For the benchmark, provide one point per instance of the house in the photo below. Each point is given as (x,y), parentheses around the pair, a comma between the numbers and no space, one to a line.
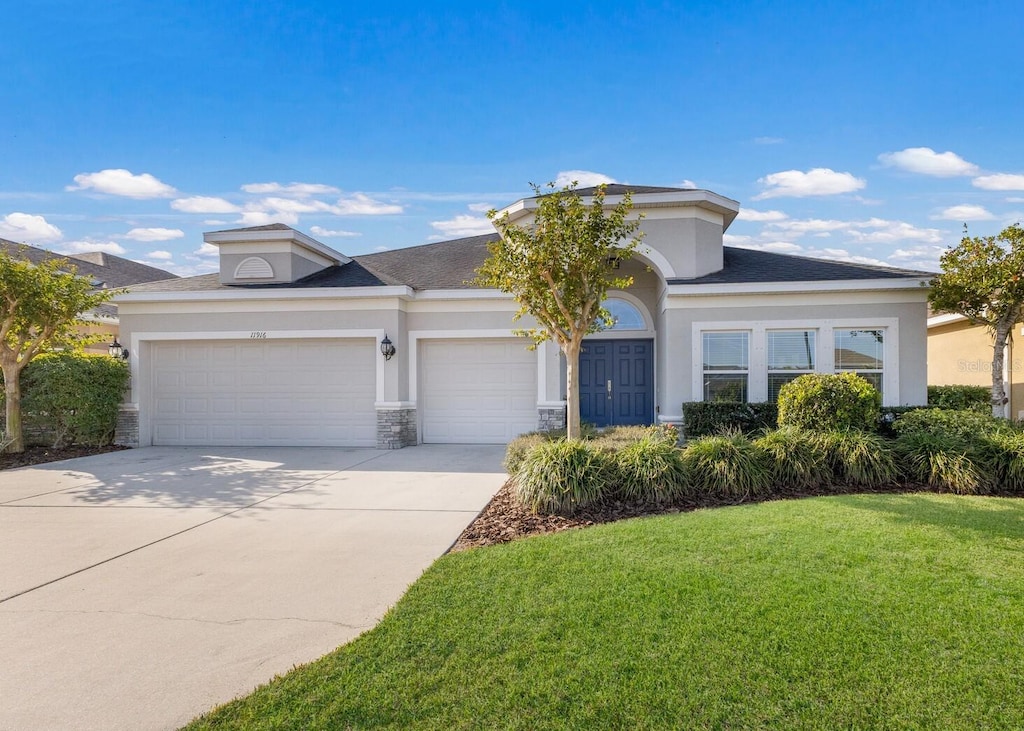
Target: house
(960,353)
(106,272)
(293,343)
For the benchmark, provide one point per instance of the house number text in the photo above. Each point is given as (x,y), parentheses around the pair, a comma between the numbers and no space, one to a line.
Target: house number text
(258,335)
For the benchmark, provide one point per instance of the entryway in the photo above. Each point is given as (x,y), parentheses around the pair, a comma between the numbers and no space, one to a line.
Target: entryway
(617,382)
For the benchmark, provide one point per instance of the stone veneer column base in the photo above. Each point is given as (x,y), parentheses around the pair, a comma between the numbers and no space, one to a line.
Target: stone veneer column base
(551,418)
(126,432)
(396,428)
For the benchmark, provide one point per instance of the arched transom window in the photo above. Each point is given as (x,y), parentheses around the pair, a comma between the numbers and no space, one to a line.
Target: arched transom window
(625,315)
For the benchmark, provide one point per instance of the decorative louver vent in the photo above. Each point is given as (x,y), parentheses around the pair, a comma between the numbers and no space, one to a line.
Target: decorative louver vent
(254,267)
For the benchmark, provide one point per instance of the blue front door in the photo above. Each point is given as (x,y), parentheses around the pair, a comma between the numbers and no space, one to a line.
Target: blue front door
(617,382)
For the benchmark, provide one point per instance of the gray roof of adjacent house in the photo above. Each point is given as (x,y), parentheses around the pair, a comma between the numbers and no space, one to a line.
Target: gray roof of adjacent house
(453,265)
(106,270)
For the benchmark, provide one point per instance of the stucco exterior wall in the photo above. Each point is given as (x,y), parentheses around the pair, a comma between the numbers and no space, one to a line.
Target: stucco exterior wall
(960,353)
(691,242)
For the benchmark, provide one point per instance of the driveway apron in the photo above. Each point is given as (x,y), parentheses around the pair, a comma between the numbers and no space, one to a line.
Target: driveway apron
(139,589)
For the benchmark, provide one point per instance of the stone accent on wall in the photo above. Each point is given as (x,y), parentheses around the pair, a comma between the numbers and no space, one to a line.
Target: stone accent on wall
(396,428)
(551,419)
(126,433)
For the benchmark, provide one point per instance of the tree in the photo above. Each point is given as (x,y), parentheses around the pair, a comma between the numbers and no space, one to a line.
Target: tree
(40,306)
(559,268)
(983,280)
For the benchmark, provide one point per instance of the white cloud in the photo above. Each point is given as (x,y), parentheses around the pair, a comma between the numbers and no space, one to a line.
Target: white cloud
(87,246)
(873,230)
(1015,199)
(328,233)
(585,178)
(798,184)
(28,228)
(359,204)
(160,255)
(207,250)
(124,183)
(464,225)
(735,239)
(964,212)
(480,207)
(155,234)
(301,190)
(203,204)
(288,205)
(262,218)
(810,225)
(775,247)
(215,222)
(924,257)
(749,214)
(926,161)
(999,181)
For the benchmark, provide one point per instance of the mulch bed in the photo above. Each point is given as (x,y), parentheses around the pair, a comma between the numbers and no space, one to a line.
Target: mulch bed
(504,520)
(41,455)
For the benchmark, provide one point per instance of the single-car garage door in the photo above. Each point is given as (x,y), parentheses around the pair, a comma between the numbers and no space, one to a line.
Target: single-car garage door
(477,392)
(264,393)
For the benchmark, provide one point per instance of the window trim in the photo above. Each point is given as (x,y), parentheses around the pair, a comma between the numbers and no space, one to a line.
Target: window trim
(757,382)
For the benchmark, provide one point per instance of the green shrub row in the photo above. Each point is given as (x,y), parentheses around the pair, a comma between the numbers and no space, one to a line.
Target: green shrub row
(703,418)
(72,398)
(960,397)
(964,452)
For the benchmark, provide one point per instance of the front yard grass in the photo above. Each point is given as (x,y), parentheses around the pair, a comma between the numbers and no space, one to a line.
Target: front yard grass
(854,611)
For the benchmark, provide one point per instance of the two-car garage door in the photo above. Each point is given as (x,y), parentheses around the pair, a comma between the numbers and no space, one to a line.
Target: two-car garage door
(265,392)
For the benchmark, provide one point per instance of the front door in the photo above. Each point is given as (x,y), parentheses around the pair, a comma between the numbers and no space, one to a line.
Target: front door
(617,382)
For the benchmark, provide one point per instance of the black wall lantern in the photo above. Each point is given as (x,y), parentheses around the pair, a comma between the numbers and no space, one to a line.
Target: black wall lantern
(116,350)
(387,348)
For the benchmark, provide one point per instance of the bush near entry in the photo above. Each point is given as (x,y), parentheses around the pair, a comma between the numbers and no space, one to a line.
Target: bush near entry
(828,402)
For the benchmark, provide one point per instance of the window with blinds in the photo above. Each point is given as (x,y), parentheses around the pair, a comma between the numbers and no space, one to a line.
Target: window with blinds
(790,354)
(726,365)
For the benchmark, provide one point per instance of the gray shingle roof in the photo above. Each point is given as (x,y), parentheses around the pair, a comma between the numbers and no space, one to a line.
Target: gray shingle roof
(106,270)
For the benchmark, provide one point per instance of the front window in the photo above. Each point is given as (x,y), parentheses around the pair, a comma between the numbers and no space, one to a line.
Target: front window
(862,352)
(726,365)
(791,353)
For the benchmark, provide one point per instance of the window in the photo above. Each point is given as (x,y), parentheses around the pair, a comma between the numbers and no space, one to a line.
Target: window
(791,353)
(863,352)
(625,315)
(726,365)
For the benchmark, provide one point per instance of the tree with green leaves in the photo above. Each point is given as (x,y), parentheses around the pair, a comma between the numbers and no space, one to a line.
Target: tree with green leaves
(559,267)
(983,279)
(40,309)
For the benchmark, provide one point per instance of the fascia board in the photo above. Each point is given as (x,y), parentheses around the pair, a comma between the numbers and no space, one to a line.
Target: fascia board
(936,320)
(401,292)
(865,285)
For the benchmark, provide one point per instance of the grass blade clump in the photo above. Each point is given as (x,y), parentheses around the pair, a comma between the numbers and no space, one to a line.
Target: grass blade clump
(651,470)
(799,460)
(940,461)
(1004,457)
(562,477)
(516,450)
(858,458)
(728,465)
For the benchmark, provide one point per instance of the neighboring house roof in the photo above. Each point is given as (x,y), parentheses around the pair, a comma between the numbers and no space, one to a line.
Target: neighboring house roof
(453,264)
(106,270)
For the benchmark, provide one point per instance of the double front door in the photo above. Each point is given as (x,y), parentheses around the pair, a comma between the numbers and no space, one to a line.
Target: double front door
(617,382)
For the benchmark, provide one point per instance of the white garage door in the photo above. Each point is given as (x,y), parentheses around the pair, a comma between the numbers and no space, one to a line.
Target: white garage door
(477,392)
(265,393)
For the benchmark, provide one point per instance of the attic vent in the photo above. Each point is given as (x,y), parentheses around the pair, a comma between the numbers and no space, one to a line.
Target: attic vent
(254,267)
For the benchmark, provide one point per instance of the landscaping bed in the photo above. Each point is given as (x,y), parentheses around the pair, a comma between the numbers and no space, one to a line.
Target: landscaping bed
(41,455)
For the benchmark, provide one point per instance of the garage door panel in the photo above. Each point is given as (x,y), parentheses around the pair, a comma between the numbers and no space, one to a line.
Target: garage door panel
(482,392)
(264,393)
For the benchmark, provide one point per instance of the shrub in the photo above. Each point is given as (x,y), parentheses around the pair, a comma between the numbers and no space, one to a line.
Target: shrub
(703,418)
(858,458)
(516,450)
(965,426)
(1002,456)
(889,415)
(650,470)
(799,461)
(563,476)
(940,461)
(618,437)
(976,398)
(828,402)
(73,398)
(727,464)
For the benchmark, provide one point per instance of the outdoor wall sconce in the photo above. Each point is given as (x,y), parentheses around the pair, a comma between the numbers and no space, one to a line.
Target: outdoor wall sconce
(387,348)
(116,350)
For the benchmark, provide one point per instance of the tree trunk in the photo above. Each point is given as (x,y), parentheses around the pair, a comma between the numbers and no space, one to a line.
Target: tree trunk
(13,441)
(998,355)
(572,390)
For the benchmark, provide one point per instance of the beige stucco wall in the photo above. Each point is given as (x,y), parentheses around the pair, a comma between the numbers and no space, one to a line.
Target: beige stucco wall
(960,353)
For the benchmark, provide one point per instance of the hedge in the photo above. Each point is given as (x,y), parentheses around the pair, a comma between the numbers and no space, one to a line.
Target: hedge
(978,398)
(704,418)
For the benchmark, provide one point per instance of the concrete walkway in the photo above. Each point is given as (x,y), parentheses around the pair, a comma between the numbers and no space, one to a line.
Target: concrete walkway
(141,588)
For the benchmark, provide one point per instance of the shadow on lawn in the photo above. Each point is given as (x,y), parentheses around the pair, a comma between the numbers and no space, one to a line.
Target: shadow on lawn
(993,516)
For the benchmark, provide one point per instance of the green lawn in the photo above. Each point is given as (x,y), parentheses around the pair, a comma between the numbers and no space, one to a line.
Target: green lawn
(884,611)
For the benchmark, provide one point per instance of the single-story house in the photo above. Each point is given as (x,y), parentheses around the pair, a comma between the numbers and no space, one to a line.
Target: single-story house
(960,354)
(106,271)
(288,343)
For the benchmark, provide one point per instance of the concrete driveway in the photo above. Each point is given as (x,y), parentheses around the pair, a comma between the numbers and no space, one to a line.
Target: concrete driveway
(141,588)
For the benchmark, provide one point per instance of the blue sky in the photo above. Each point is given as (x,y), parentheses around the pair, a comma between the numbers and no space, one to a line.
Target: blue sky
(861,130)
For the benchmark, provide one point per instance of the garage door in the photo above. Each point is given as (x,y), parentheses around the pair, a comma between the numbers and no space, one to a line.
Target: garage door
(265,393)
(479,392)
